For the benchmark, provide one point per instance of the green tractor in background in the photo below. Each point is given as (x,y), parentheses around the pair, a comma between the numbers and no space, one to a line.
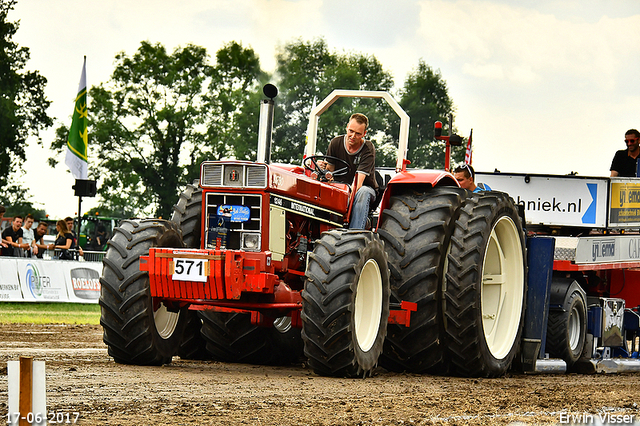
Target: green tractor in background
(95,231)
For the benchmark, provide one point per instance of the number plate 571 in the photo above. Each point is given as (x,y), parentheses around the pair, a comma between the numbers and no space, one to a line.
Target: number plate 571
(190,270)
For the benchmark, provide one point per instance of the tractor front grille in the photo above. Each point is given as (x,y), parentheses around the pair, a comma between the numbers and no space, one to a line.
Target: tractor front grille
(234,230)
(235,175)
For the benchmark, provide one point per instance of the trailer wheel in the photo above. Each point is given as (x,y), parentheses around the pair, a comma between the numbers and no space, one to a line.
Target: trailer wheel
(230,337)
(136,328)
(416,230)
(346,303)
(566,331)
(485,286)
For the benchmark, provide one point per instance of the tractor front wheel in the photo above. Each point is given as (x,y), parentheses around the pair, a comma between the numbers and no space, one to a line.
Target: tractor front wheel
(346,303)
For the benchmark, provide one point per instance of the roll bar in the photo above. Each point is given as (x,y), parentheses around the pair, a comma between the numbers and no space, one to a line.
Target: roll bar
(403,140)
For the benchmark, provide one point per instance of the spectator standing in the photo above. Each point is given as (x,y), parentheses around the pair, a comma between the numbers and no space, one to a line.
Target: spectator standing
(13,238)
(64,241)
(38,238)
(625,161)
(69,221)
(3,243)
(28,236)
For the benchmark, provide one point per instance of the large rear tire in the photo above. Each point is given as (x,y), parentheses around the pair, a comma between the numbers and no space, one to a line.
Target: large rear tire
(230,337)
(346,303)
(485,286)
(416,230)
(192,344)
(566,330)
(136,329)
(187,215)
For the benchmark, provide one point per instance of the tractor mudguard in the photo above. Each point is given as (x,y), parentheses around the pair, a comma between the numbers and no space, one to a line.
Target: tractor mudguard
(561,290)
(411,178)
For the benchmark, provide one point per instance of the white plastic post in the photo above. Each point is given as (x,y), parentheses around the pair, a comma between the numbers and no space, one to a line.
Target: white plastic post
(33,405)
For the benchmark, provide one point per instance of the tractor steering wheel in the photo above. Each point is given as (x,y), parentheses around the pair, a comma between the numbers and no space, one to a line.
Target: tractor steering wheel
(322,173)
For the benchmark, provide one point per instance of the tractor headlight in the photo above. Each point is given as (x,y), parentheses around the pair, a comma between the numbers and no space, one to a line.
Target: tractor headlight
(251,242)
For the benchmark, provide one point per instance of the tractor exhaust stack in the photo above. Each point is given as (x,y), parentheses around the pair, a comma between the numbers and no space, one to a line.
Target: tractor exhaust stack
(265,129)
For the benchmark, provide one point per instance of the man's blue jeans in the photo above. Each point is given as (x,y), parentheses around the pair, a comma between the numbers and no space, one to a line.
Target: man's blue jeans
(360,210)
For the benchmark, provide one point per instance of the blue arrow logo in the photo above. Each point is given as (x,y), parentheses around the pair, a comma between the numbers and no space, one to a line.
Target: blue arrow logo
(590,215)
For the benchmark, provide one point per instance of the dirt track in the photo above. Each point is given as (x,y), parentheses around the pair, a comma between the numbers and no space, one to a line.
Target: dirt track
(82,378)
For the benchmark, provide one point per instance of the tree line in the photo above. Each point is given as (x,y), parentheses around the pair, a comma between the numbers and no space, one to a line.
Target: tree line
(23,113)
(162,113)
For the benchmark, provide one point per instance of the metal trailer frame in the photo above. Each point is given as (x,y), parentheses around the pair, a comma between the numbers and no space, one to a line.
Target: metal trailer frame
(613,252)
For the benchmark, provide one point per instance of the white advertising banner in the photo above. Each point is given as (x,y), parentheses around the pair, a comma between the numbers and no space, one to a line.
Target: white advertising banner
(42,280)
(608,249)
(9,284)
(38,280)
(555,200)
(83,281)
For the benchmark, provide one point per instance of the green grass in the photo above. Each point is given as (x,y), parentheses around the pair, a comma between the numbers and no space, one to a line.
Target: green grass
(49,313)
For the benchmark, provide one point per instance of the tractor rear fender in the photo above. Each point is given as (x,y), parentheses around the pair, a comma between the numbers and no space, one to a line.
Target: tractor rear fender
(417,180)
(561,290)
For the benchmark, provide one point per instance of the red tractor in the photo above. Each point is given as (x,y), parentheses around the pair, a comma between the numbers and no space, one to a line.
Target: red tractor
(255,266)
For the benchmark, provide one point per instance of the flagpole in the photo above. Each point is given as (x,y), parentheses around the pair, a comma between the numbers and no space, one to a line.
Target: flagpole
(84,68)
(78,225)
(468,156)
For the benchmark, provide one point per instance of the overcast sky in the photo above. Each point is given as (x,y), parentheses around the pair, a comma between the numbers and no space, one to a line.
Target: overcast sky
(547,86)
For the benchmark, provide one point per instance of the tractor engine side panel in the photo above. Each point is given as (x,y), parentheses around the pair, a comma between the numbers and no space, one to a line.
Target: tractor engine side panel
(292,182)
